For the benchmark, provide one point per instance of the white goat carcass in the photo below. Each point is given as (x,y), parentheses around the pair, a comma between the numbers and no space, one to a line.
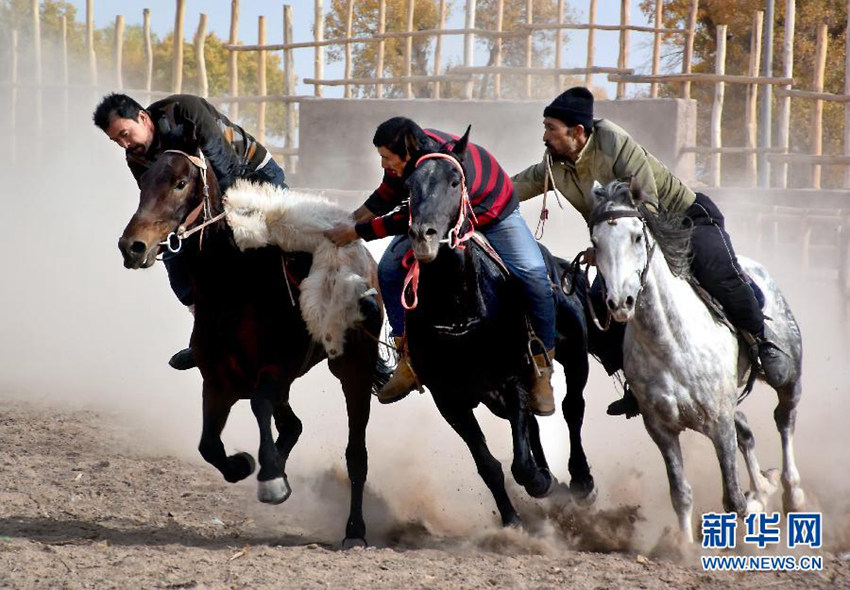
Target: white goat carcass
(261,214)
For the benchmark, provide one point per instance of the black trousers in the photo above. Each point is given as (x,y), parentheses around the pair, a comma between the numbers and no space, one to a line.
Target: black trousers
(716,267)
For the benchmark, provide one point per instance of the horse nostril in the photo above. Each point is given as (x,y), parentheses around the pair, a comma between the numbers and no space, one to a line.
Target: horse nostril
(630,301)
(138,247)
(611,305)
(430,232)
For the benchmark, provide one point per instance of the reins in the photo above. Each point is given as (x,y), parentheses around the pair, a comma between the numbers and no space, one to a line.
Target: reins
(174,240)
(454,239)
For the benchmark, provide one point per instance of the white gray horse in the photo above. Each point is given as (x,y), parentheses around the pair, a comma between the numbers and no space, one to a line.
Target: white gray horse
(684,366)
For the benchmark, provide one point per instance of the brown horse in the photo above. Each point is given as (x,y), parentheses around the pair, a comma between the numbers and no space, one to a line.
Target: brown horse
(249,339)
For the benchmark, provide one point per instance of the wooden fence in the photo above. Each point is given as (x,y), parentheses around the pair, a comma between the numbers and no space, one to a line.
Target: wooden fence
(760,152)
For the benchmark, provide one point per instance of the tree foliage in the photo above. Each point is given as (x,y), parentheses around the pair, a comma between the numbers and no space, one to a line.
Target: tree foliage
(16,15)
(738,16)
(426,16)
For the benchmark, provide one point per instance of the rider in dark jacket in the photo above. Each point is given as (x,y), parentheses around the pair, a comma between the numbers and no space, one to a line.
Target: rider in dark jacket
(187,123)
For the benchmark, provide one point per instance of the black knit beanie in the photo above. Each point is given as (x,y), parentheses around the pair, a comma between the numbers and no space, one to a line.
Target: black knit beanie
(573,107)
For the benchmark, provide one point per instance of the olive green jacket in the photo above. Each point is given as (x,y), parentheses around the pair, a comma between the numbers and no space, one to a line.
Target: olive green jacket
(609,154)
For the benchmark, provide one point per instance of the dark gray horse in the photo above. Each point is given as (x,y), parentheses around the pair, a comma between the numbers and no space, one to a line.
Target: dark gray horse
(468,337)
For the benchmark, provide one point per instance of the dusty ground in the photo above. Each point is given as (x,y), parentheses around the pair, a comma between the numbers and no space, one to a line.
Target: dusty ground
(79,508)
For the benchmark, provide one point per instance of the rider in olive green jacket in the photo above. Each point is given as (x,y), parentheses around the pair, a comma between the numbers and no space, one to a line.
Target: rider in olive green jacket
(581,151)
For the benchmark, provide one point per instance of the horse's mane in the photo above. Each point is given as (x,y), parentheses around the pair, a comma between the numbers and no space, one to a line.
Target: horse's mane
(672,231)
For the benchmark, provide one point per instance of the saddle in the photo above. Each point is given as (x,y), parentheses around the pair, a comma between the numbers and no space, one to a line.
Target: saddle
(717,310)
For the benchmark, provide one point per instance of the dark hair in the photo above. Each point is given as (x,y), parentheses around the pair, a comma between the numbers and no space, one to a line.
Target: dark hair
(391,134)
(119,105)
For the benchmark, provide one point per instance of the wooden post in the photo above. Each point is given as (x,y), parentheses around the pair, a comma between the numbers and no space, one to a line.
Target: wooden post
(781,174)
(689,46)
(65,77)
(200,57)
(529,45)
(766,122)
(847,116)
(146,31)
(382,27)
(717,105)
(261,79)
(656,47)
(318,36)
(289,84)
(408,49)
(233,63)
(500,23)
(119,51)
(625,17)
(438,49)
(13,97)
(177,63)
(591,19)
(559,48)
(349,17)
(469,46)
(90,43)
(817,114)
(37,71)
(752,98)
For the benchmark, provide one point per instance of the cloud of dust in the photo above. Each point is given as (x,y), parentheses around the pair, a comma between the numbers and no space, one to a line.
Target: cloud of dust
(79,329)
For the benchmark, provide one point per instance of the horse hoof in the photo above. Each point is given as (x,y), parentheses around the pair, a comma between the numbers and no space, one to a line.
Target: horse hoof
(546,483)
(273,491)
(513,521)
(584,494)
(753,503)
(354,542)
(241,466)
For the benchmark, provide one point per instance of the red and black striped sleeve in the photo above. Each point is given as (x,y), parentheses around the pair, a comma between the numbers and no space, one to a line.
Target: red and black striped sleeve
(389,204)
(491,191)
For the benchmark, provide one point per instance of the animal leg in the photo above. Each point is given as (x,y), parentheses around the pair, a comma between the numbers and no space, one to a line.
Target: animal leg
(724,438)
(680,489)
(537,481)
(572,354)
(289,429)
(464,423)
(785,416)
(762,484)
(216,409)
(272,484)
(360,352)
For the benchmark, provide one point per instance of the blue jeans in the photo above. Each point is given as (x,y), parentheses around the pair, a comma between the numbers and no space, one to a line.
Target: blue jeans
(514,242)
(178,275)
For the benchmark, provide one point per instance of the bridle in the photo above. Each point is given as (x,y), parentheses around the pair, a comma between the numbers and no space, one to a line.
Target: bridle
(611,217)
(174,240)
(454,239)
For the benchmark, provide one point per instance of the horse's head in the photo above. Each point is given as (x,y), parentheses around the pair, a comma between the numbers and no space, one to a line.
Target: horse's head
(619,236)
(438,205)
(171,190)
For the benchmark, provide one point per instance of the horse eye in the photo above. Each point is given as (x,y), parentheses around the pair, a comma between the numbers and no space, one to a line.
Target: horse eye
(455,183)
(181,185)
(638,238)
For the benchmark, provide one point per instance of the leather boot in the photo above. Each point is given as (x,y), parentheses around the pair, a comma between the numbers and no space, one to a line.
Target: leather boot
(403,379)
(627,404)
(183,360)
(542,395)
(775,363)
